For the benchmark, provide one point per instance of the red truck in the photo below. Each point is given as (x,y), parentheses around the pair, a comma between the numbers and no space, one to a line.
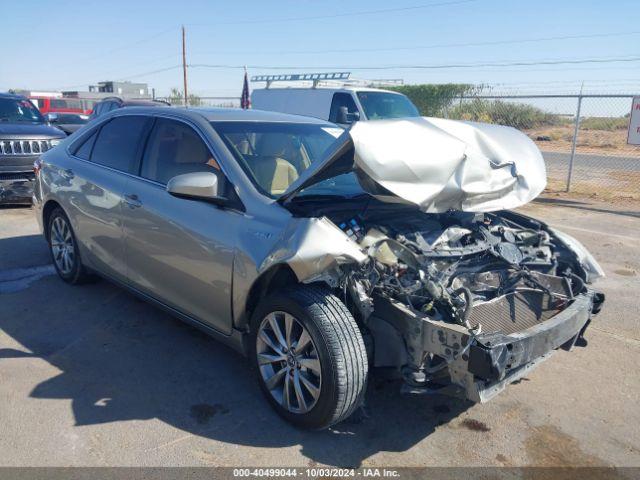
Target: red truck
(62,105)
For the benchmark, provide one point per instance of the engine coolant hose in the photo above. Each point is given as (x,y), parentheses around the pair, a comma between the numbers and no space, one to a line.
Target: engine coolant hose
(468,299)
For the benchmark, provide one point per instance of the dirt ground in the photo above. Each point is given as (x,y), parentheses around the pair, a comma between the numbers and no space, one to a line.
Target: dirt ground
(603,142)
(92,376)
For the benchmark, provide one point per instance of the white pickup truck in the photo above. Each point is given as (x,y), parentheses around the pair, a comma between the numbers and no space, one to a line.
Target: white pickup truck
(343,105)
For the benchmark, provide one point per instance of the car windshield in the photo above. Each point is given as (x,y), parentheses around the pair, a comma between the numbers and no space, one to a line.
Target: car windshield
(274,154)
(379,105)
(19,110)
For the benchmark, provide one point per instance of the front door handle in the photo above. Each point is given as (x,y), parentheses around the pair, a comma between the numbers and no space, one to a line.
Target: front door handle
(132,200)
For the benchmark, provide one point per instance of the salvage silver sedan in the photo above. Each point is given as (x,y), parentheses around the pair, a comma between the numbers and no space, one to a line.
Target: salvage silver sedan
(321,253)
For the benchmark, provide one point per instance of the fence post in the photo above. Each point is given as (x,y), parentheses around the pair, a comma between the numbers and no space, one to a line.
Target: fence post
(575,141)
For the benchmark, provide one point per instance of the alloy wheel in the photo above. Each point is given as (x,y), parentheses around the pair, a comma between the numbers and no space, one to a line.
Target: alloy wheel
(288,362)
(62,245)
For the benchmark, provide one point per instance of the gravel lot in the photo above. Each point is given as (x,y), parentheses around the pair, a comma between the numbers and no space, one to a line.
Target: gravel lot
(92,376)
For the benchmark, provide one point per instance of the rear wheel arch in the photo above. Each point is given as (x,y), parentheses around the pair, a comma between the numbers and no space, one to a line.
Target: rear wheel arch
(65,252)
(47,210)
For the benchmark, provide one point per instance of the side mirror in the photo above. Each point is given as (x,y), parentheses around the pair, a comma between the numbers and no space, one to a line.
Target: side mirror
(345,117)
(200,185)
(51,117)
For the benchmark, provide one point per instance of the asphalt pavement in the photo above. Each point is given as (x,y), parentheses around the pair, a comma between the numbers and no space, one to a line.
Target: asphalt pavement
(92,376)
(560,161)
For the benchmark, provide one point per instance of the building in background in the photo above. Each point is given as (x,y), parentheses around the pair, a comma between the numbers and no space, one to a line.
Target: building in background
(122,89)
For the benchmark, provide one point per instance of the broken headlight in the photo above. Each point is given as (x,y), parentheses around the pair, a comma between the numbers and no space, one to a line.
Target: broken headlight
(592,269)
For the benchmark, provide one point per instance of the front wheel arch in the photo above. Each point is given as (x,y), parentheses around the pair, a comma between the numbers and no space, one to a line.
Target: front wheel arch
(277,277)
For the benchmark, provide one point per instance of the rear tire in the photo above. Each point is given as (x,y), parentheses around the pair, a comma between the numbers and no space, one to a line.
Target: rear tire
(327,375)
(63,247)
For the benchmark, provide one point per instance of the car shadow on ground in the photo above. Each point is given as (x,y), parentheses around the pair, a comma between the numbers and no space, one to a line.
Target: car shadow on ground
(121,359)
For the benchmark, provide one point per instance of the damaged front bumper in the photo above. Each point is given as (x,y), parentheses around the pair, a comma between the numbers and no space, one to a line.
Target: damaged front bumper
(16,188)
(480,366)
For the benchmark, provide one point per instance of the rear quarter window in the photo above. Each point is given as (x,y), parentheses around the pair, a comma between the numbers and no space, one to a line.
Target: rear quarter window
(84,150)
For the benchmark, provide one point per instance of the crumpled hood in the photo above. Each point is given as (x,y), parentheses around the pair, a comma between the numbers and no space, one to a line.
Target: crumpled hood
(441,164)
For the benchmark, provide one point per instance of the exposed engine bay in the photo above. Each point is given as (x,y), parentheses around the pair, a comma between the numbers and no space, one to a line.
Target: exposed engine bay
(447,297)
(463,268)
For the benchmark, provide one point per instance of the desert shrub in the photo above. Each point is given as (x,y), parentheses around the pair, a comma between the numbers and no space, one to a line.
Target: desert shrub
(518,115)
(605,123)
(433,100)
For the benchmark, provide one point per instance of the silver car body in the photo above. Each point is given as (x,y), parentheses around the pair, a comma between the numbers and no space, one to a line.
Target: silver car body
(210,265)
(169,249)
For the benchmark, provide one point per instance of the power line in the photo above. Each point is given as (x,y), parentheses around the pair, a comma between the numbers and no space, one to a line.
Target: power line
(336,15)
(383,67)
(426,47)
(129,77)
(426,67)
(130,44)
(160,70)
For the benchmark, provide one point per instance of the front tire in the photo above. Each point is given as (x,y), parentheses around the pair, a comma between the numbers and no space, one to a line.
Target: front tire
(309,355)
(63,247)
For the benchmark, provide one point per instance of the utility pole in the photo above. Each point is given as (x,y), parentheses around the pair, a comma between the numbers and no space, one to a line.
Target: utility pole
(184,66)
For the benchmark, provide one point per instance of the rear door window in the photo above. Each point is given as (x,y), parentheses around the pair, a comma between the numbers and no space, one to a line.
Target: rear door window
(98,109)
(118,142)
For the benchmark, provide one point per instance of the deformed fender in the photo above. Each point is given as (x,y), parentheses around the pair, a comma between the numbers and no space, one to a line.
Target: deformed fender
(311,247)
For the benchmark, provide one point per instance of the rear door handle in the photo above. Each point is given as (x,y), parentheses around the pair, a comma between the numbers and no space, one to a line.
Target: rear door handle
(132,200)
(68,174)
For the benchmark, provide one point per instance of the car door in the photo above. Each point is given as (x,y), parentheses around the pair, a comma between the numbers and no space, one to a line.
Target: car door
(179,251)
(95,187)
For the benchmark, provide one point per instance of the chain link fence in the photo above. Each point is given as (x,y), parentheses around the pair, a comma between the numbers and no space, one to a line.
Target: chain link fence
(583,138)
(198,101)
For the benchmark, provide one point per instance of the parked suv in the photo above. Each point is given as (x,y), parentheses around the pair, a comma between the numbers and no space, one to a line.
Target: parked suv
(322,253)
(112,103)
(343,105)
(24,135)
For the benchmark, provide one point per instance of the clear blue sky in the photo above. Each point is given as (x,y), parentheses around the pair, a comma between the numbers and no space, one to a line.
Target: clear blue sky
(67,43)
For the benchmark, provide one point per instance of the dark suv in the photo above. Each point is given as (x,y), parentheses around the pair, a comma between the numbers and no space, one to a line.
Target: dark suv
(112,103)
(24,135)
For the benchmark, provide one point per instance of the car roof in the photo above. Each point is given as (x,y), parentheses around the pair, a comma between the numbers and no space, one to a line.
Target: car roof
(134,101)
(142,103)
(225,114)
(13,96)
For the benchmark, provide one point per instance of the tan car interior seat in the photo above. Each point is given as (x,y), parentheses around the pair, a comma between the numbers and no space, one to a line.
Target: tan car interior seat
(273,172)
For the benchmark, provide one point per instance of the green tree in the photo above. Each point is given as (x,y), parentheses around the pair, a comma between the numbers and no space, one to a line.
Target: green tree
(434,100)
(513,114)
(176,97)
